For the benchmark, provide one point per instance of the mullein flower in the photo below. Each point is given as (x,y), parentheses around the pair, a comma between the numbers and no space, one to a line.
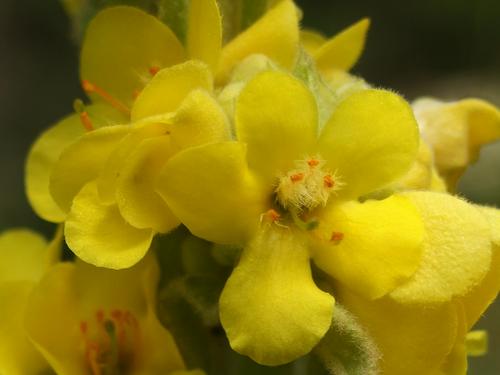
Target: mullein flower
(25,256)
(456,131)
(93,321)
(105,181)
(269,190)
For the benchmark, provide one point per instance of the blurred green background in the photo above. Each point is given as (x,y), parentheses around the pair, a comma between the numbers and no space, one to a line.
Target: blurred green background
(444,48)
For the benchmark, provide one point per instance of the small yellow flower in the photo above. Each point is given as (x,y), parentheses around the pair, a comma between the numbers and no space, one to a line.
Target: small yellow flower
(88,320)
(24,258)
(456,131)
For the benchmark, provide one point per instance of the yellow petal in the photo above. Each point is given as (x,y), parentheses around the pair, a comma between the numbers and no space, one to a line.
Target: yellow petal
(18,355)
(41,159)
(210,189)
(381,245)
(275,35)
(111,169)
(276,116)
(52,320)
(169,88)
(413,340)
(420,174)
(343,50)
(371,139)
(82,161)
(456,250)
(22,255)
(270,307)
(99,235)
(204,35)
(137,200)
(311,40)
(457,131)
(480,297)
(121,45)
(199,120)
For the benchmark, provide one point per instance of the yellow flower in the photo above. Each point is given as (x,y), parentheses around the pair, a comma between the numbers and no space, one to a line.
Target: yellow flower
(25,256)
(124,48)
(105,180)
(281,178)
(456,131)
(89,320)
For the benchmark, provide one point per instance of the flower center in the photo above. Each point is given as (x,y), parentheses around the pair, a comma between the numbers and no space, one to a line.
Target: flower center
(307,186)
(111,342)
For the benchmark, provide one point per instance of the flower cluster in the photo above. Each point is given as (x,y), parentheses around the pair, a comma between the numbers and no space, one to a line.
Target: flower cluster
(321,207)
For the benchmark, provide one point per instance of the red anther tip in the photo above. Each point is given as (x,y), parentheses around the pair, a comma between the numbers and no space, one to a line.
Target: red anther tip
(153,70)
(313,162)
(87,86)
(329,183)
(296,177)
(337,236)
(272,215)
(83,327)
(85,119)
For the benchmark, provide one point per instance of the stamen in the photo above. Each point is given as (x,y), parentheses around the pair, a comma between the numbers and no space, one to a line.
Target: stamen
(304,225)
(83,327)
(91,88)
(271,215)
(99,315)
(297,177)
(79,108)
(337,237)
(313,162)
(153,70)
(329,182)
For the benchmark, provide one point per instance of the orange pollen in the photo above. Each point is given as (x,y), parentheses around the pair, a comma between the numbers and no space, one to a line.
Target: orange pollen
(83,327)
(337,237)
(272,215)
(86,121)
(313,163)
(89,88)
(153,70)
(297,177)
(100,316)
(328,180)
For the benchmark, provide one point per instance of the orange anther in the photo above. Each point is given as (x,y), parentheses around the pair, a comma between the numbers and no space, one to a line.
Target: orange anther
(296,177)
(99,315)
(153,70)
(337,237)
(83,327)
(328,180)
(89,87)
(313,162)
(272,215)
(117,315)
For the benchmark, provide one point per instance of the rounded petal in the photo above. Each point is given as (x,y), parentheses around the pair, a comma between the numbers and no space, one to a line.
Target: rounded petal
(412,340)
(275,34)
(138,202)
(210,189)
(41,159)
(371,139)
(270,307)
(18,355)
(204,34)
(277,117)
(99,235)
(380,246)
(169,88)
(456,250)
(343,50)
(82,161)
(122,44)
(22,255)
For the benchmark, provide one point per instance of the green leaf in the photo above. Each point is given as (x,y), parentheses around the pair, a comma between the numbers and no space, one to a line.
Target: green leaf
(346,349)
